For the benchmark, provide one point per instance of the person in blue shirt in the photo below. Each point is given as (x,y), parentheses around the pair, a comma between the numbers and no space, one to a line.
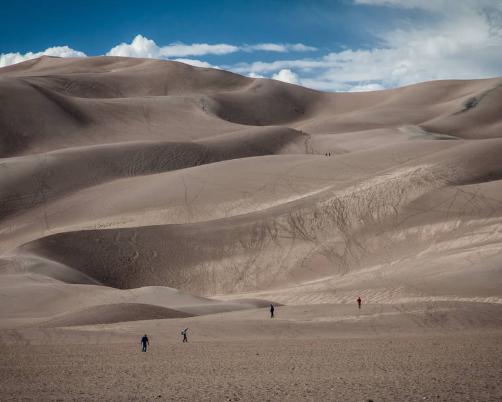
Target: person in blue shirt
(144,343)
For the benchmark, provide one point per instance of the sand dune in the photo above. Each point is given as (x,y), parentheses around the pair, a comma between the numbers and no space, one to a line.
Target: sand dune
(109,100)
(30,181)
(110,313)
(146,196)
(121,176)
(265,244)
(59,295)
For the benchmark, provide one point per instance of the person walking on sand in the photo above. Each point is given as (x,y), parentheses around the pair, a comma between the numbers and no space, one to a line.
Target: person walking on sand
(272,311)
(359,301)
(184,334)
(144,343)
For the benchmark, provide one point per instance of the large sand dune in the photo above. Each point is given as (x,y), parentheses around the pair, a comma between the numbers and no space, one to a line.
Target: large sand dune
(130,173)
(149,196)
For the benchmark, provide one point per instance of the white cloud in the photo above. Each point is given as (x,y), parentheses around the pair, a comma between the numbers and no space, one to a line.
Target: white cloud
(254,75)
(366,87)
(196,49)
(300,47)
(427,4)
(286,75)
(278,47)
(264,67)
(144,47)
(197,63)
(58,51)
(462,41)
(442,6)
(139,47)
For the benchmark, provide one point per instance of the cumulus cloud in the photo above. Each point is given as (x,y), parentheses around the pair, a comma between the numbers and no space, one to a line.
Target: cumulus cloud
(197,63)
(139,47)
(286,75)
(144,47)
(57,51)
(462,41)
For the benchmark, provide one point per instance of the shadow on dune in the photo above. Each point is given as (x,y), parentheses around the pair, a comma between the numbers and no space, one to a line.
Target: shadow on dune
(111,313)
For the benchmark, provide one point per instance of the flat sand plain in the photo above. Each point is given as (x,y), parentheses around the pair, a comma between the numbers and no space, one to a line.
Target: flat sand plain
(441,352)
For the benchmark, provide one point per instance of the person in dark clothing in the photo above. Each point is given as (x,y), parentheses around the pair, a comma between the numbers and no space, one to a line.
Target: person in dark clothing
(359,301)
(272,311)
(144,343)
(184,334)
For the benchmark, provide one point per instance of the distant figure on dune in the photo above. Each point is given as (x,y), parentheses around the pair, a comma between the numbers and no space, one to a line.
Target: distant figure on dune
(359,301)
(144,343)
(184,334)
(272,311)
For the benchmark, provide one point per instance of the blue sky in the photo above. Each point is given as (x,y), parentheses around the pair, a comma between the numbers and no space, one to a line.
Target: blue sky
(345,45)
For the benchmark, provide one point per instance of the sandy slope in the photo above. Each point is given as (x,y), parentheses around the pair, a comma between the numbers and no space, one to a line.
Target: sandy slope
(120,176)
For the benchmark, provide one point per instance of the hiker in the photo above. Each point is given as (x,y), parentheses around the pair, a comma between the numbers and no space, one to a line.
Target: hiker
(144,343)
(184,334)
(359,301)
(272,311)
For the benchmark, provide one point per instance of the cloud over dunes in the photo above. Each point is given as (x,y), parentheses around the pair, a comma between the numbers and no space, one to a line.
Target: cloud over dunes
(196,63)
(453,39)
(58,51)
(279,47)
(460,40)
(144,47)
(286,75)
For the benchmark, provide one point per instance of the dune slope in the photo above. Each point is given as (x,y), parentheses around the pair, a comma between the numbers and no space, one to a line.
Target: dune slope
(135,174)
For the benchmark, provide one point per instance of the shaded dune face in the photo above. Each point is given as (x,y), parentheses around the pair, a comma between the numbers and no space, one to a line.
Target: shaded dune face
(128,173)
(273,247)
(111,313)
(65,171)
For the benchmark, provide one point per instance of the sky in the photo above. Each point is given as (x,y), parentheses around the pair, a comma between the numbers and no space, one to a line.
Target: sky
(345,45)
